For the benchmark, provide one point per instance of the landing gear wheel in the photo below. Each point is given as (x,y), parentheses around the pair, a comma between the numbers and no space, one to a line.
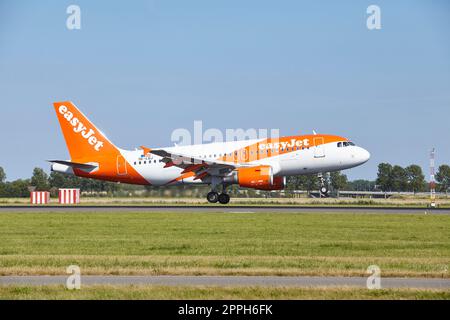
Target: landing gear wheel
(224,198)
(212,197)
(324,191)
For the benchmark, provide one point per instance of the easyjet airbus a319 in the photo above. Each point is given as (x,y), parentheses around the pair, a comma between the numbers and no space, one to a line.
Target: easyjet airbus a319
(261,164)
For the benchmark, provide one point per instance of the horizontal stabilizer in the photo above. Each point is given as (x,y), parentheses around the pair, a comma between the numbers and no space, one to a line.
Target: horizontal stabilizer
(75,165)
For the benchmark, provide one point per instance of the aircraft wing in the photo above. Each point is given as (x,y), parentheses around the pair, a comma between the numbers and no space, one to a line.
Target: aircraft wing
(200,167)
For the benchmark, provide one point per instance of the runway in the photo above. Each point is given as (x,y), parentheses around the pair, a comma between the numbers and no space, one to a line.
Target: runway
(228,209)
(223,281)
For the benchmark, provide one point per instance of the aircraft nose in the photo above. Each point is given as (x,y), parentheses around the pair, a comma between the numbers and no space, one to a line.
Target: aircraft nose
(364,155)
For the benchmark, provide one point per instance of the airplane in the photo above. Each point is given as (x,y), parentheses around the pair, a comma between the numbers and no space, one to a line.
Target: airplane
(261,164)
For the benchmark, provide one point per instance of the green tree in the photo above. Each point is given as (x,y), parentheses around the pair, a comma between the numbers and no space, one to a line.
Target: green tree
(399,179)
(443,178)
(39,180)
(361,185)
(308,182)
(17,188)
(304,182)
(61,180)
(338,180)
(57,180)
(384,176)
(415,177)
(2,175)
(293,183)
(2,182)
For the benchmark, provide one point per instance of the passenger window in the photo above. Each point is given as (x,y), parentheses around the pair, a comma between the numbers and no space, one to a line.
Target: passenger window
(339,144)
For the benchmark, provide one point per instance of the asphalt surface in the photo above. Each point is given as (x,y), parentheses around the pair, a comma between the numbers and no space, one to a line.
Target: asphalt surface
(271,281)
(230,209)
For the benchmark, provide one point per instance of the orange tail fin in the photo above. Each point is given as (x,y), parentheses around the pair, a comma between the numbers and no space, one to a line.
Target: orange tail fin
(84,141)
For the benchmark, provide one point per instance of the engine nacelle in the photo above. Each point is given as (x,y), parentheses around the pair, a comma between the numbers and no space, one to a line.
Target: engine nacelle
(259,177)
(278,184)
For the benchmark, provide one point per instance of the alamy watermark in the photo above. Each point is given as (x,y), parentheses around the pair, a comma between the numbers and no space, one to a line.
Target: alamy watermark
(74,280)
(198,136)
(73,21)
(374,280)
(184,137)
(373,21)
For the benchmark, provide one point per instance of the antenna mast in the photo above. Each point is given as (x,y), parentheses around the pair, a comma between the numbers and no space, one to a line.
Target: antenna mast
(432,181)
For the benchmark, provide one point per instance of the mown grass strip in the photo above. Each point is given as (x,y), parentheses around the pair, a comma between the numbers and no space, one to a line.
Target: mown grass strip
(224,243)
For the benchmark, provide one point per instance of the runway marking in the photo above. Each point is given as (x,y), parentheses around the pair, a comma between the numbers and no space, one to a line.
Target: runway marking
(271,281)
(240,211)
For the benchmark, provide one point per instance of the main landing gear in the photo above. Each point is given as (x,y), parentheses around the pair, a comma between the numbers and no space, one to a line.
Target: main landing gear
(214,197)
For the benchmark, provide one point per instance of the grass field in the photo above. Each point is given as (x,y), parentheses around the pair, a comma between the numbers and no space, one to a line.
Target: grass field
(139,243)
(224,243)
(200,293)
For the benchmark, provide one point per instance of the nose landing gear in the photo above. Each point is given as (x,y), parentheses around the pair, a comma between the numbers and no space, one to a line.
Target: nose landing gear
(323,190)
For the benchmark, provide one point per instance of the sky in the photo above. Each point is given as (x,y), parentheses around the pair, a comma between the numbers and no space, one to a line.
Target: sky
(141,69)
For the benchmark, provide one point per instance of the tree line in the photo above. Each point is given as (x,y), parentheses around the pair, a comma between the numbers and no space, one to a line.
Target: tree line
(411,178)
(41,181)
(389,178)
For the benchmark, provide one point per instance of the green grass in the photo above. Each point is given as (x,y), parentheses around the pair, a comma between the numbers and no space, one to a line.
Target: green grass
(224,243)
(199,293)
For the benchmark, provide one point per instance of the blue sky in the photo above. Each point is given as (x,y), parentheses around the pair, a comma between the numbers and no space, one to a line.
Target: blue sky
(141,69)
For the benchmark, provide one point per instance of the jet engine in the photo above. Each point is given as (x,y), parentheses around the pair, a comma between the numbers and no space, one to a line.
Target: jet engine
(259,177)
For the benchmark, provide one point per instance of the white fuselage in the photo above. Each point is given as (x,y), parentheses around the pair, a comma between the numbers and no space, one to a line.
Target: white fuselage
(314,159)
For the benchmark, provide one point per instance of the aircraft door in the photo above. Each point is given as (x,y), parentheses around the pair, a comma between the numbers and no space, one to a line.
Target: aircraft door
(121,166)
(319,151)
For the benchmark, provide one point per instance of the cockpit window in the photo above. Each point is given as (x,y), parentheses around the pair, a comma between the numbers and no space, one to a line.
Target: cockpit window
(345,144)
